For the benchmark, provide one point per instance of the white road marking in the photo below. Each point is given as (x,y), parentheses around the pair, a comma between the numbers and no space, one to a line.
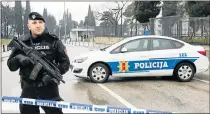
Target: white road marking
(201,80)
(120,99)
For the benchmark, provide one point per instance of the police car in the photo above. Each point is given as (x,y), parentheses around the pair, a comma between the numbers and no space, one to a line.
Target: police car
(142,56)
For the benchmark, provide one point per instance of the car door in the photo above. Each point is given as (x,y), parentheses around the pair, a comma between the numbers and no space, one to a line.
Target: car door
(162,56)
(131,57)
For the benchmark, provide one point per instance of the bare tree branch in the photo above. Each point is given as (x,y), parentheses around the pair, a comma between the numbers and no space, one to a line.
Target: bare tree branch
(120,9)
(97,14)
(116,14)
(109,9)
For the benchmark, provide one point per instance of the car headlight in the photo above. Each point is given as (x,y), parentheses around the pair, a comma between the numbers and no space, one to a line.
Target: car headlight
(80,60)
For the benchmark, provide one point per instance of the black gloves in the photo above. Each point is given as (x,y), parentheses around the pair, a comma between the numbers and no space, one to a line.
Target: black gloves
(23,60)
(47,79)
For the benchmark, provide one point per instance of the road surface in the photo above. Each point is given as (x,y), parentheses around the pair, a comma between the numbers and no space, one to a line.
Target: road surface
(164,94)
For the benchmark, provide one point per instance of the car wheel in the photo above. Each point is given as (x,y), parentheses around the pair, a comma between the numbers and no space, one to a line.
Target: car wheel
(184,72)
(99,73)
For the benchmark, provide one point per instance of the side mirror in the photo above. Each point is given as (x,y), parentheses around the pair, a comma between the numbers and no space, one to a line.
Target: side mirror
(124,50)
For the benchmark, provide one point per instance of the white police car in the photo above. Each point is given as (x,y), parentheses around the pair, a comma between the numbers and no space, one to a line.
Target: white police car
(142,56)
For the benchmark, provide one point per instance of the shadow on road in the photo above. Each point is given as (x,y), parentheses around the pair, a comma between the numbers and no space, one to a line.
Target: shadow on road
(134,79)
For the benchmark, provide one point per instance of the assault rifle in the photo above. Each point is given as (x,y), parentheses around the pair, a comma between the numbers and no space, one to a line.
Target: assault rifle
(38,60)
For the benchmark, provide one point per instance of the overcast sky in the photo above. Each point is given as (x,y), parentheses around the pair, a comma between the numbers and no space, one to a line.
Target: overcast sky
(78,9)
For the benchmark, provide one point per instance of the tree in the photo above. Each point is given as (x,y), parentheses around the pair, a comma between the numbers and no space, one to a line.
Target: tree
(129,21)
(18,18)
(169,8)
(69,23)
(45,16)
(173,8)
(171,12)
(51,24)
(89,19)
(113,15)
(67,20)
(81,24)
(108,16)
(75,24)
(7,20)
(57,31)
(45,13)
(127,27)
(27,12)
(50,21)
(107,28)
(144,10)
(129,10)
(198,9)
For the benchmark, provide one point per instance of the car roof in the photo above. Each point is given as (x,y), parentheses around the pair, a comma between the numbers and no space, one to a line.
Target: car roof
(150,36)
(153,36)
(127,39)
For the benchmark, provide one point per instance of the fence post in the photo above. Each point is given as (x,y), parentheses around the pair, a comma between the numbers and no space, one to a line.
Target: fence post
(3,48)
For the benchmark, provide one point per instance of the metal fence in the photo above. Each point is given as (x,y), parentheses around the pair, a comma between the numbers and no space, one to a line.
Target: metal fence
(194,30)
(120,30)
(180,27)
(172,26)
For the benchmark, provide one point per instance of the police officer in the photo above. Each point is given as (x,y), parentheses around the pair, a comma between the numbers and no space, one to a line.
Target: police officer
(43,87)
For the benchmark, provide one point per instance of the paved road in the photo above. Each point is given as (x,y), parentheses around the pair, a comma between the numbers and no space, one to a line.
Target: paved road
(163,94)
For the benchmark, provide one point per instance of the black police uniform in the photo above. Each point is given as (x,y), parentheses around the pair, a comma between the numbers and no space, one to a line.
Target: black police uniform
(43,87)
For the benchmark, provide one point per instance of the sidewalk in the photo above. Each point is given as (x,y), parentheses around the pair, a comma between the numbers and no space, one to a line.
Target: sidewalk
(206,47)
(5,54)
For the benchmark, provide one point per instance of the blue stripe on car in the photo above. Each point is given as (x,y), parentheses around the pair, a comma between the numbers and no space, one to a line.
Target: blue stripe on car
(148,65)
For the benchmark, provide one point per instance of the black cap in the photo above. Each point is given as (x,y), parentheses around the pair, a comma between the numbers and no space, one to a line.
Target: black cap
(35,16)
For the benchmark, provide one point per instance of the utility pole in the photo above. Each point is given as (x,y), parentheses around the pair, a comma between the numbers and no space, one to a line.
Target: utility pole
(64,21)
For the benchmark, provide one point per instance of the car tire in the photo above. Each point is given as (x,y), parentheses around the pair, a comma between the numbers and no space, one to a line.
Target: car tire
(99,73)
(184,72)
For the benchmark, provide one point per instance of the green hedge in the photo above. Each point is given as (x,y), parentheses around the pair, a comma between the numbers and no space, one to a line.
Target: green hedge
(201,41)
(5,41)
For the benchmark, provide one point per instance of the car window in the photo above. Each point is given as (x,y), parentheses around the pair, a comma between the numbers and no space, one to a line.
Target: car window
(132,45)
(155,44)
(177,44)
(160,44)
(143,46)
(137,45)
